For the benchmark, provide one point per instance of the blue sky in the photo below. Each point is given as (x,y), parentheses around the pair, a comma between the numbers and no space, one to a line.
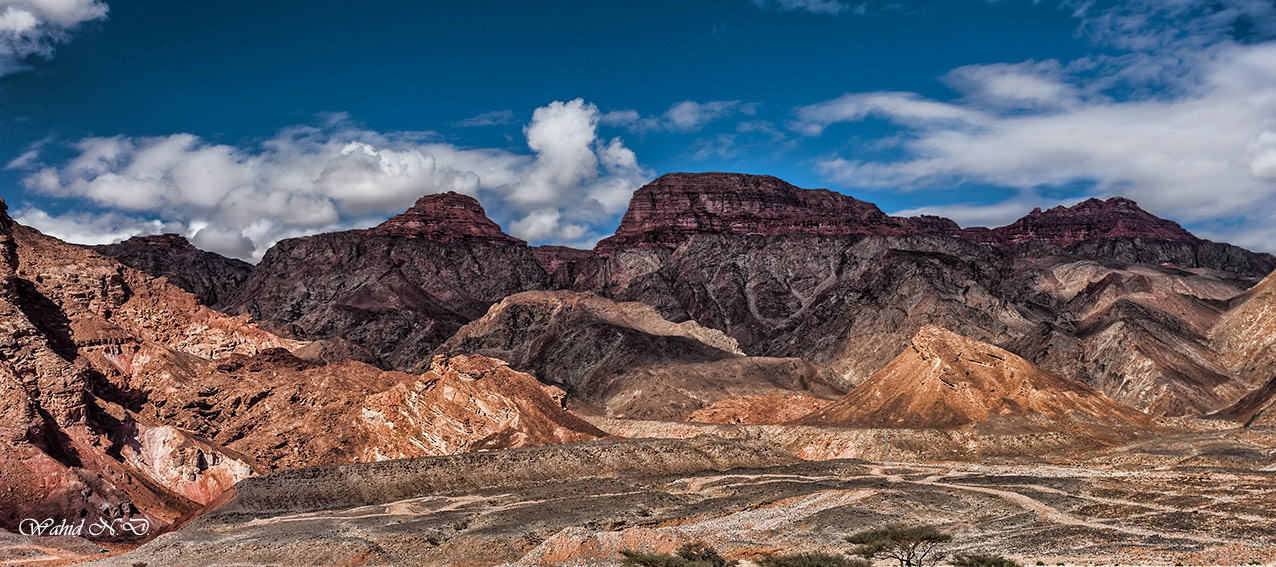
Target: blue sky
(240,123)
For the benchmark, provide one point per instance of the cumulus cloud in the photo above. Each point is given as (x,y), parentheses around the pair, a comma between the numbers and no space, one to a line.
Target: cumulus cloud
(685,116)
(93,228)
(31,28)
(241,200)
(1198,146)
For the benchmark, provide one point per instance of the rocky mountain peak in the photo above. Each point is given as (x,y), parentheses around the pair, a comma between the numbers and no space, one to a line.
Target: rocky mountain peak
(676,206)
(445,217)
(1116,217)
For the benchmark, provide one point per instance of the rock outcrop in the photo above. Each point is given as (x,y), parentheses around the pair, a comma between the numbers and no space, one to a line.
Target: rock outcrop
(213,278)
(944,380)
(624,359)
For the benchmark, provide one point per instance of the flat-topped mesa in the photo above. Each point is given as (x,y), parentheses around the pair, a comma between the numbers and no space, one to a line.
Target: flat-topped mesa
(445,217)
(1117,217)
(676,206)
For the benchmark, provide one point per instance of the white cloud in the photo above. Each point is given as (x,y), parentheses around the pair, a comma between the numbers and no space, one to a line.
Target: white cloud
(1190,133)
(241,200)
(92,228)
(907,108)
(815,6)
(685,116)
(1027,85)
(31,28)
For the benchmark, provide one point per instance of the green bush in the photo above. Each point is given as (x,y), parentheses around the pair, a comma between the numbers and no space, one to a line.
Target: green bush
(912,545)
(811,560)
(694,554)
(982,560)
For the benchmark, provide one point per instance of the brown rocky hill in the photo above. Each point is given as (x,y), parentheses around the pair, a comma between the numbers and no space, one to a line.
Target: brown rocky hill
(1136,332)
(1246,334)
(395,291)
(283,412)
(213,278)
(82,334)
(1246,337)
(944,381)
(625,360)
(124,397)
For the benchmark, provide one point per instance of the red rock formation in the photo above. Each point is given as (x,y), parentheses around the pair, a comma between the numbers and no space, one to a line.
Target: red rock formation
(445,217)
(669,210)
(944,380)
(1117,217)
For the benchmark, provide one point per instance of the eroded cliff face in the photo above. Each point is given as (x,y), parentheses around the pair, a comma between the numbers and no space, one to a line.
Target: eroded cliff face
(1101,292)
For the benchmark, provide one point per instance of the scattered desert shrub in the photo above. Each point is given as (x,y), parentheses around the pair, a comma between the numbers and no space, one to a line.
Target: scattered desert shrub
(982,560)
(694,554)
(912,545)
(811,560)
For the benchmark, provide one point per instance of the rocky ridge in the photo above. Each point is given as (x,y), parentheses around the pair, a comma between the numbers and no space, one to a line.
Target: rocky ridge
(624,359)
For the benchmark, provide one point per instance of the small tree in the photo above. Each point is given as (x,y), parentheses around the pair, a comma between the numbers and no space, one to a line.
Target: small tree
(694,554)
(982,560)
(911,545)
(811,560)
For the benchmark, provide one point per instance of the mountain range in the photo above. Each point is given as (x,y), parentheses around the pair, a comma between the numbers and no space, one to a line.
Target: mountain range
(144,378)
